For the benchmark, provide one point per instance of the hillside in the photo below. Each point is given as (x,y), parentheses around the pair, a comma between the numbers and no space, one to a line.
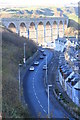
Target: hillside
(73,28)
(35,12)
(12,55)
(70,11)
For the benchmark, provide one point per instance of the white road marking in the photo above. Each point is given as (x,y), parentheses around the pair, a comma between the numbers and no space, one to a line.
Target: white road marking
(36,97)
(34,89)
(44,111)
(41,106)
(33,86)
(35,73)
(38,101)
(53,69)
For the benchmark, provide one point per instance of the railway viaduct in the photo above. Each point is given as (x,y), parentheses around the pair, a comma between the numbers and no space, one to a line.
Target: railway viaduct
(43,28)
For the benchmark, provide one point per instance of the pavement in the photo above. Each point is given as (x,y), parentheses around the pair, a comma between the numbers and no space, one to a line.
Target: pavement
(35,94)
(53,78)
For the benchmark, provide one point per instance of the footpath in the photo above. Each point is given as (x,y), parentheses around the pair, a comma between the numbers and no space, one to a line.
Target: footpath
(57,90)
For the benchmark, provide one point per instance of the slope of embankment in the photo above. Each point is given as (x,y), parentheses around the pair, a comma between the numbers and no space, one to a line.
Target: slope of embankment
(12,55)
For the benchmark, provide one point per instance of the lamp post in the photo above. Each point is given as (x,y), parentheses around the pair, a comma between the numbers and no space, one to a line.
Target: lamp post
(36,34)
(24,59)
(28,34)
(19,81)
(48,101)
(46,70)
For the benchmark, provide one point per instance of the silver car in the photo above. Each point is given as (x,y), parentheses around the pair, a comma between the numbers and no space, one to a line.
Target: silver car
(31,68)
(44,67)
(36,63)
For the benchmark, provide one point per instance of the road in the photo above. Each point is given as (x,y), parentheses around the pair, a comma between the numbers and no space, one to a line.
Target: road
(35,95)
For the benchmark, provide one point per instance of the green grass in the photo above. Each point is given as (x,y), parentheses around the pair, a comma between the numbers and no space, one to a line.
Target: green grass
(74,17)
(12,55)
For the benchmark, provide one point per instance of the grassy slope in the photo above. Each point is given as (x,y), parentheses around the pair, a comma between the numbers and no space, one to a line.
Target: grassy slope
(0,72)
(12,54)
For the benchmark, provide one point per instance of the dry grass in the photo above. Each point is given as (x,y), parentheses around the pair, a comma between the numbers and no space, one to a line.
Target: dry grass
(12,54)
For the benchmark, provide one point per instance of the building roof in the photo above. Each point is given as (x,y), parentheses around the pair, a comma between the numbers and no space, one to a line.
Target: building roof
(74,79)
(77,86)
(61,40)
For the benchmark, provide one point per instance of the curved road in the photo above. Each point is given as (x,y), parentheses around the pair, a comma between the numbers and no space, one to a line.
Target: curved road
(35,95)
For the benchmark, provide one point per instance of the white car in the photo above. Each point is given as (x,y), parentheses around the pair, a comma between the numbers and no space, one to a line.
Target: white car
(31,68)
(44,67)
(42,50)
(36,63)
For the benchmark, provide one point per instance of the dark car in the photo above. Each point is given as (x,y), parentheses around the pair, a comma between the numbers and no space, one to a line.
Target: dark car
(41,57)
(44,54)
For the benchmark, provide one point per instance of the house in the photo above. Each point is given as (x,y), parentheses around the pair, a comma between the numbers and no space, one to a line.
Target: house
(69,71)
(60,44)
(73,41)
(69,77)
(73,88)
(76,96)
(64,72)
(69,81)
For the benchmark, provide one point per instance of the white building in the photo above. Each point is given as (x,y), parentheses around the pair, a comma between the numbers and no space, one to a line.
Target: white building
(76,95)
(60,44)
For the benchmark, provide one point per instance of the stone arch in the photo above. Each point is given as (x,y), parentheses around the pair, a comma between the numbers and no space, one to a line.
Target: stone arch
(32,24)
(32,31)
(65,24)
(61,28)
(23,29)
(48,31)
(40,23)
(48,23)
(12,27)
(40,32)
(55,30)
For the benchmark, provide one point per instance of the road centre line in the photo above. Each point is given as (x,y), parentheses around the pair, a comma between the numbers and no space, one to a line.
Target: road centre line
(41,106)
(34,89)
(38,101)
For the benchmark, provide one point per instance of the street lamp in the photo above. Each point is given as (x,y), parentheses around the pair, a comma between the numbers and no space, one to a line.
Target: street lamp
(46,69)
(19,80)
(24,59)
(28,34)
(48,101)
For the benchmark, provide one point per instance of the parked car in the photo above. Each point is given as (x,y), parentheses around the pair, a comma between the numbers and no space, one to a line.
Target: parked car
(31,68)
(36,63)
